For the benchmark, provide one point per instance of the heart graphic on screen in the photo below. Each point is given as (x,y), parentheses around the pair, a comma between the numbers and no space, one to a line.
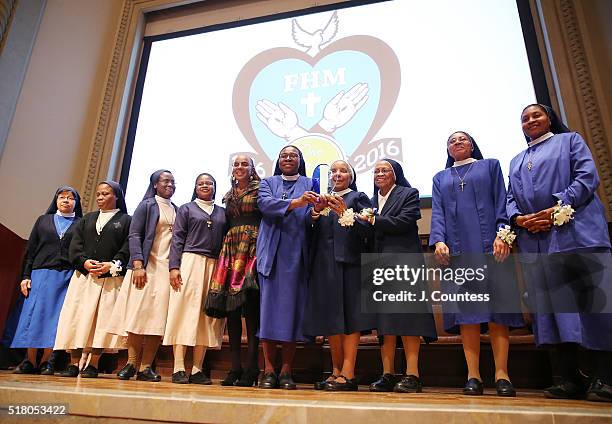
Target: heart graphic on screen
(291,81)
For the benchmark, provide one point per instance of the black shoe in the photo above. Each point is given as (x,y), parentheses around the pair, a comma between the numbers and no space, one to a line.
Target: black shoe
(269,381)
(26,367)
(148,375)
(249,378)
(474,387)
(566,389)
(409,384)
(180,377)
(89,372)
(599,391)
(320,385)
(47,368)
(199,378)
(232,377)
(127,372)
(349,385)
(285,381)
(505,388)
(70,371)
(385,383)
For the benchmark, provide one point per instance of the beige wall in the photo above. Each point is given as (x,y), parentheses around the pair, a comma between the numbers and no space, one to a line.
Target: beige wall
(598,17)
(598,14)
(55,117)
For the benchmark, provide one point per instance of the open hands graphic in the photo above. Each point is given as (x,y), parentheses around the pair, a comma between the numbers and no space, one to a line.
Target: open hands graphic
(343,107)
(283,122)
(280,119)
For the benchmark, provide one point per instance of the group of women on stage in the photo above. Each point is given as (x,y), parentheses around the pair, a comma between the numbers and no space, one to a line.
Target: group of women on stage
(280,256)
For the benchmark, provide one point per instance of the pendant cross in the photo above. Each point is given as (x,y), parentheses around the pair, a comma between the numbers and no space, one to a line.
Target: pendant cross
(462,185)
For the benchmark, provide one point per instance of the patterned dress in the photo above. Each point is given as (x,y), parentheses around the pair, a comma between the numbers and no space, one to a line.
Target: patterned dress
(236,271)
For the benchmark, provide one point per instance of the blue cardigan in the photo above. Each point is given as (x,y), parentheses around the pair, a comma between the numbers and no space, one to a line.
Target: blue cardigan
(195,231)
(274,209)
(142,230)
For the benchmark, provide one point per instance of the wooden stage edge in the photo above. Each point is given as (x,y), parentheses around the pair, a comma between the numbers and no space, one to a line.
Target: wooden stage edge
(108,400)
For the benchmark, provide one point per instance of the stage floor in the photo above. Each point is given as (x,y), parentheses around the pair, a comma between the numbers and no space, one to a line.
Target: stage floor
(108,400)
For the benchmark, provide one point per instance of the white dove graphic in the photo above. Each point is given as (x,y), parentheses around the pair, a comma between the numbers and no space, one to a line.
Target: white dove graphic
(313,41)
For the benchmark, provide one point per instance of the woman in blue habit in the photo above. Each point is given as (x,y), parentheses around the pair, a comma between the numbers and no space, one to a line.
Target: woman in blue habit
(565,249)
(282,262)
(468,209)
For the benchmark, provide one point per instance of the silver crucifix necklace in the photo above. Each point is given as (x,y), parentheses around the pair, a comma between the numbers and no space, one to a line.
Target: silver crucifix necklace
(529,161)
(463,183)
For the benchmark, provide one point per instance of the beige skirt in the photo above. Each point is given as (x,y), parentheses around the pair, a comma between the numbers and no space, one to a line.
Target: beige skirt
(86,311)
(143,311)
(187,323)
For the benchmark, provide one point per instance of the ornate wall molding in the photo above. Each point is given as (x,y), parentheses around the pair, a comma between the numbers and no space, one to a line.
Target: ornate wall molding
(106,150)
(570,51)
(596,133)
(7,10)
(113,89)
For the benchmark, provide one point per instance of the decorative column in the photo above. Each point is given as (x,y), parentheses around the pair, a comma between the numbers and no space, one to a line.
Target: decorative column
(567,38)
(7,10)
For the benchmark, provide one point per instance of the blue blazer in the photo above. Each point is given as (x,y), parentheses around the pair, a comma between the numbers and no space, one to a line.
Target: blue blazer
(142,230)
(348,242)
(395,227)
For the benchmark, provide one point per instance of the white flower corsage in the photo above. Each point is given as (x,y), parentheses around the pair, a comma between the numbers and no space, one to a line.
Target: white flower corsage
(506,235)
(562,214)
(348,218)
(368,212)
(115,268)
(325,211)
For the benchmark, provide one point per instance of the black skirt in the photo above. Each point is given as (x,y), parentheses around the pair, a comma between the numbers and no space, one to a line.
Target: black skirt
(333,305)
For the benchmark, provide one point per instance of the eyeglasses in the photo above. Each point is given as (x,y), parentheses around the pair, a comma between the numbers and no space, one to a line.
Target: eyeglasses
(286,156)
(460,139)
(383,171)
(69,198)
